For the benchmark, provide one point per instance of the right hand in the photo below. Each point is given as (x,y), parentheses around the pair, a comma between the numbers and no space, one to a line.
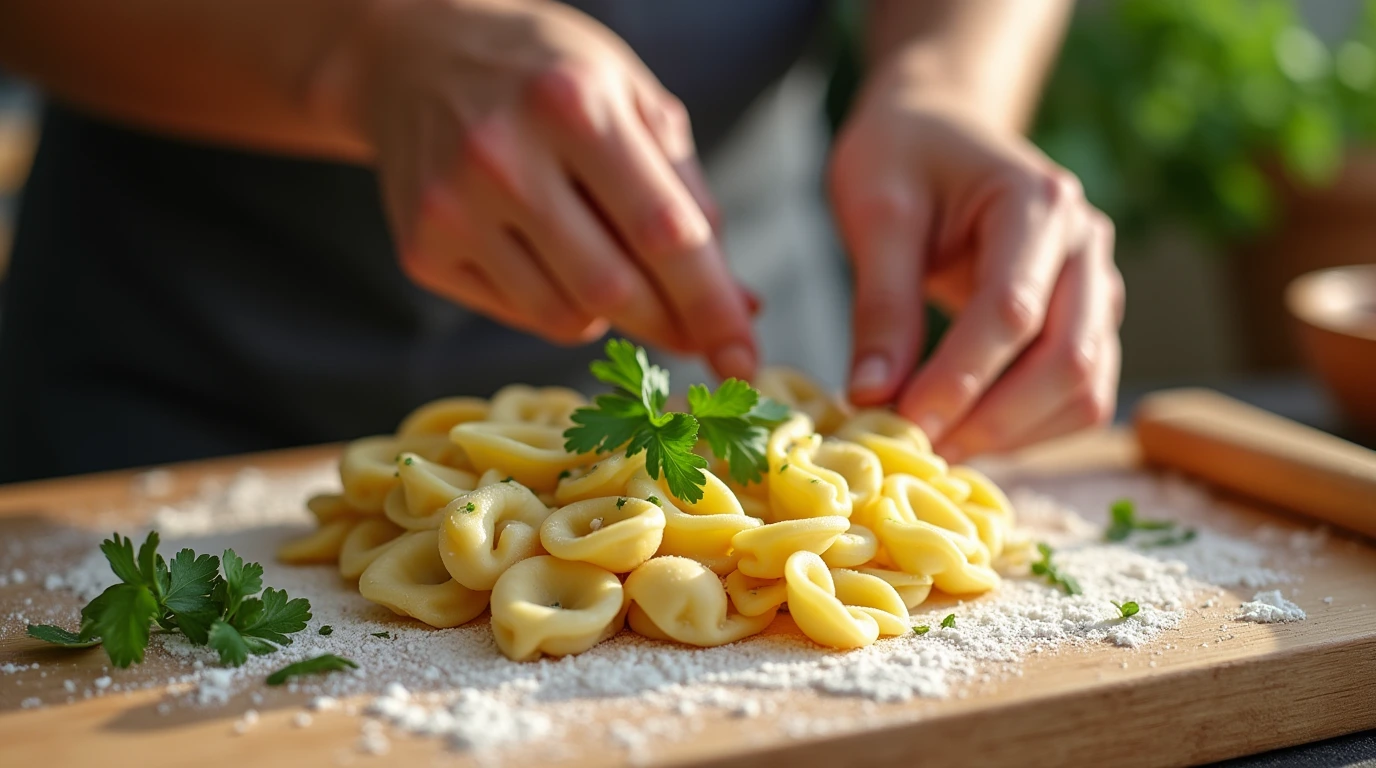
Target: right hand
(535,171)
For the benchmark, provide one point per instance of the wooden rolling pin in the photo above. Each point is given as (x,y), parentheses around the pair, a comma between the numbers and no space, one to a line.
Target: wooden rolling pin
(1259,454)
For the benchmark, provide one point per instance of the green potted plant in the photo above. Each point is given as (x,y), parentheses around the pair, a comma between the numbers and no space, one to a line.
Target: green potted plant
(1233,119)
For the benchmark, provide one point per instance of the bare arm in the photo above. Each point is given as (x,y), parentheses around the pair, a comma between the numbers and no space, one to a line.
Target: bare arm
(246,72)
(992,53)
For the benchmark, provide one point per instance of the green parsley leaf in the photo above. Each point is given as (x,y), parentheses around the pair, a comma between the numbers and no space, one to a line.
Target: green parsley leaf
(1127,609)
(921,629)
(271,617)
(327,630)
(227,642)
(326,662)
(383,635)
(723,422)
(241,580)
(669,449)
(121,617)
(653,500)
(949,621)
(733,421)
(470,507)
(611,423)
(119,551)
(564,475)
(768,413)
(1124,522)
(1054,577)
(188,597)
(59,636)
(621,502)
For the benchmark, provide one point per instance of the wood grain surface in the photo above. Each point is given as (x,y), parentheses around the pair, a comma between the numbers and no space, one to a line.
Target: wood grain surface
(1267,686)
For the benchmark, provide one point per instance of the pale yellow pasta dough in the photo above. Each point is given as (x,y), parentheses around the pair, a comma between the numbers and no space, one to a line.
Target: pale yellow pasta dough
(489,530)
(912,587)
(901,446)
(752,596)
(681,599)
(364,543)
(815,601)
(608,477)
(532,454)
(545,605)
(615,533)
(703,536)
(764,550)
(874,596)
(426,489)
(546,406)
(862,470)
(917,500)
(439,416)
(368,468)
(327,507)
(951,487)
(801,393)
(799,487)
(409,578)
(319,547)
(949,558)
(857,546)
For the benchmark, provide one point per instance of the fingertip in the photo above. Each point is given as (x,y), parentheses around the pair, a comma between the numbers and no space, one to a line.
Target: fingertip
(734,360)
(872,380)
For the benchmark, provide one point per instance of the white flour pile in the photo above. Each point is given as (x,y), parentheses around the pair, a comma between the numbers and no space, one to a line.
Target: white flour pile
(453,684)
(1270,608)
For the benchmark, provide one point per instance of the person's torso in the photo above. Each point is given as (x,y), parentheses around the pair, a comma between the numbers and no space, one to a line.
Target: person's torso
(169,299)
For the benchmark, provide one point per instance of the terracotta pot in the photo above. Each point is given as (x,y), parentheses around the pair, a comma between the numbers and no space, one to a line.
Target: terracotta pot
(1335,310)
(1318,228)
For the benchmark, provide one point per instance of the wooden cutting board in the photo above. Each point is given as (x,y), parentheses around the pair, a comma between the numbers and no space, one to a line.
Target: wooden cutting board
(1269,686)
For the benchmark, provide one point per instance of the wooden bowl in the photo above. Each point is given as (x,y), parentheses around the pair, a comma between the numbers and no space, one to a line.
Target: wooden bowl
(1336,311)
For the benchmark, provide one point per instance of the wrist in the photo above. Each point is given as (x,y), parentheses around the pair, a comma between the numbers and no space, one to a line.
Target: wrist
(925,75)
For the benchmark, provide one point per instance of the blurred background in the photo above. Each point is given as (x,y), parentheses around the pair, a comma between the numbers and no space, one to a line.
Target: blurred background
(1233,142)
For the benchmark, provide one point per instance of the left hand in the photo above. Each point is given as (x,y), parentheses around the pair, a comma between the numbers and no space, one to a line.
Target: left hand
(935,203)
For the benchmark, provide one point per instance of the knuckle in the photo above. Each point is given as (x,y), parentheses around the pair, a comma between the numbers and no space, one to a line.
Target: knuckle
(1079,361)
(606,291)
(487,149)
(1019,311)
(1094,409)
(666,230)
(566,92)
(880,204)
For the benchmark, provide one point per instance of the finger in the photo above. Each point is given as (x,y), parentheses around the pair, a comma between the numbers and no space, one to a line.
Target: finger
(885,232)
(1094,407)
(1060,366)
(592,267)
(666,118)
(1022,246)
(665,230)
(490,275)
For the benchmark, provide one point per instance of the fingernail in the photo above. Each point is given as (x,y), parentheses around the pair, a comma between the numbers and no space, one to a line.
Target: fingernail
(870,374)
(734,360)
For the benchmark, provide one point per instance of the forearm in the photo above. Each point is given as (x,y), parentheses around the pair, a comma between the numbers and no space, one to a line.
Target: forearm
(246,72)
(991,55)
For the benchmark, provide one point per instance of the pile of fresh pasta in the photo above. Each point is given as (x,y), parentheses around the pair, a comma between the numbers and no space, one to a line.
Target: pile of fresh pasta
(475,505)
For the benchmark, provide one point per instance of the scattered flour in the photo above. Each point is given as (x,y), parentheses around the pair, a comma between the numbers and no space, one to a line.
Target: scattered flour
(1270,608)
(454,685)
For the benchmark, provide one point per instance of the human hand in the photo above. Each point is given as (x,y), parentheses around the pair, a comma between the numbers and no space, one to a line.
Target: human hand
(933,202)
(534,170)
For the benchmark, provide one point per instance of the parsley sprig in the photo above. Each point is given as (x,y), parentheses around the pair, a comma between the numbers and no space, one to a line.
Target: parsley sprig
(189,595)
(325,662)
(1124,522)
(1044,567)
(734,421)
(1127,609)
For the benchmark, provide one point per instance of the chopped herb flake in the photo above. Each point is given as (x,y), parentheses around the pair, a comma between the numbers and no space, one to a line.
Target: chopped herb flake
(949,621)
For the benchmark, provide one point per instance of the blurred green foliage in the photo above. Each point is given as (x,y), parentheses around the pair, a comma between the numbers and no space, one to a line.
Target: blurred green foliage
(1173,110)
